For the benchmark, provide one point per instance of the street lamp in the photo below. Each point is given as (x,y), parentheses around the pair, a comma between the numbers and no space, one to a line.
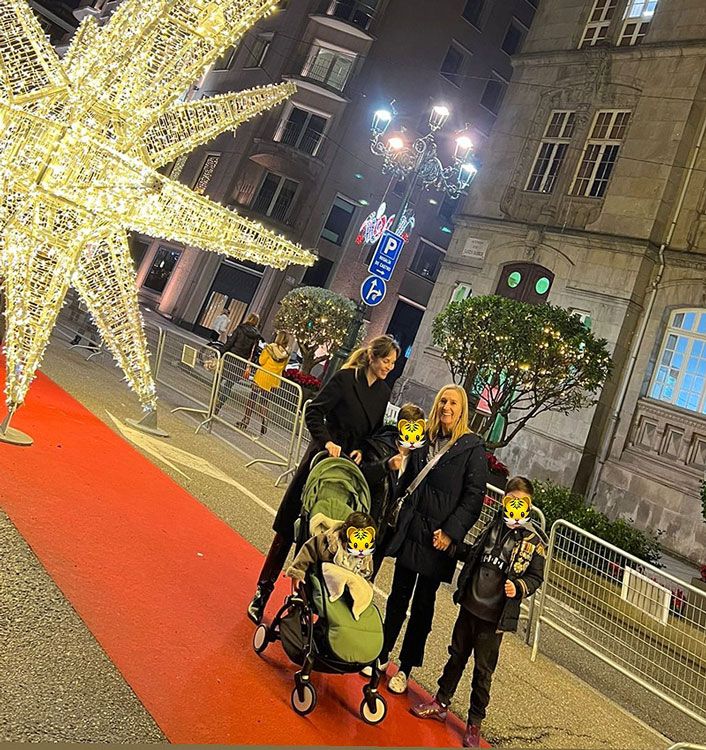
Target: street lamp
(417,163)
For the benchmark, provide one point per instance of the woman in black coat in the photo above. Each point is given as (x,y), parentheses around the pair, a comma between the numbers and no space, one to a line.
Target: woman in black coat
(438,513)
(347,410)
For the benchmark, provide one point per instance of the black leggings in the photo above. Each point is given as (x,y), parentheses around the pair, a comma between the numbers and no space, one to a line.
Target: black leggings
(404,583)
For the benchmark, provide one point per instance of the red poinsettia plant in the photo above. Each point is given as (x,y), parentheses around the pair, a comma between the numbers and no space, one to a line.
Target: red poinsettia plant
(304,380)
(496,466)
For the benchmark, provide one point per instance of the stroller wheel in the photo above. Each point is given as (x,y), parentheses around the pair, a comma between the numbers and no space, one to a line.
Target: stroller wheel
(305,703)
(373,715)
(260,639)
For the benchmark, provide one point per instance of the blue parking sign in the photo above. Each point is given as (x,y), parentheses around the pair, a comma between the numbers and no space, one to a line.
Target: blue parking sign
(373,290)
(386,255)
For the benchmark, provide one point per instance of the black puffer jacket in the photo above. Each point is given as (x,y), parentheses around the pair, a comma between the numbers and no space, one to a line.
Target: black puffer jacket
(377,450)
(450,498)
(243,341)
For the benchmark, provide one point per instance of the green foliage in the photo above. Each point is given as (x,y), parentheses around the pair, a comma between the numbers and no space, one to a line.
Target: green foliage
(527,359)
(558,502)
(315,317)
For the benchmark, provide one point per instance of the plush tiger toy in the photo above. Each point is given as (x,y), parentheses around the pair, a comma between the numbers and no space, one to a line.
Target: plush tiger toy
(411,433)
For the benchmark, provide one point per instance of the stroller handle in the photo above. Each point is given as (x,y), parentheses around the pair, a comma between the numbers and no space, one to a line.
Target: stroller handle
(321,455)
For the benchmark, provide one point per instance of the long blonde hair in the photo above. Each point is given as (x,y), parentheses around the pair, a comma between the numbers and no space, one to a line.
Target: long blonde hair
(379,347)
(434,422)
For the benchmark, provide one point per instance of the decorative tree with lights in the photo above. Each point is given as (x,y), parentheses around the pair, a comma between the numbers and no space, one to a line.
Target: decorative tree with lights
(316,318)
(81,143)
(521,360)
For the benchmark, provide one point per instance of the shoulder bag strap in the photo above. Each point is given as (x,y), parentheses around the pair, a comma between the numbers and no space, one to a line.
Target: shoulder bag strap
(427,468)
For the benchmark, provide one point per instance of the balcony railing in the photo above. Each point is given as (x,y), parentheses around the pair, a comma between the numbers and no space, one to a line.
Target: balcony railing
(328,67)
(354,12)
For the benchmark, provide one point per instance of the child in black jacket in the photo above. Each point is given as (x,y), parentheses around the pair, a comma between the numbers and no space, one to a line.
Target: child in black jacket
(503,566)
(384,460)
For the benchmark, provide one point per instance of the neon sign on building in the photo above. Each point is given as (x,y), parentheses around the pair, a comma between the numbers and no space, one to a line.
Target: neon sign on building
(377,222)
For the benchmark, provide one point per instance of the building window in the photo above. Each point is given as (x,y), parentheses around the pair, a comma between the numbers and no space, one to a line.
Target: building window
(452,65)
(226,60)
(472,11)
(427,260)
(596,29)
(357,13)
(638,16)
(161,269)
(302,130)
(680,374)
(275,197)
(207,169)
(493,93)
(329,66)
(526,282)
(257,51)
(338,221)
(513,37)
(318,274)
(551,152)
(448,207)
(600,154)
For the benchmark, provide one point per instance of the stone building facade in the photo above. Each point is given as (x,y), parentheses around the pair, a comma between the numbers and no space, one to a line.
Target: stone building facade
(306,169)
(594,183)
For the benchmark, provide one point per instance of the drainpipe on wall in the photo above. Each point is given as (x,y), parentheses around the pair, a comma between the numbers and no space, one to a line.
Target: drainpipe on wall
(614,422)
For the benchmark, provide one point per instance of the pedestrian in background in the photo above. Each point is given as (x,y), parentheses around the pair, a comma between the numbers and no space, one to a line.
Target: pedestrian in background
(242,343)
(504,566)
(273,360)
(348,409)
(220,327)
(443,489)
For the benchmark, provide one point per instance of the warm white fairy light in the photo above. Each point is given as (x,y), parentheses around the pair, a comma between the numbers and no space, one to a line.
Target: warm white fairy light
(80,142)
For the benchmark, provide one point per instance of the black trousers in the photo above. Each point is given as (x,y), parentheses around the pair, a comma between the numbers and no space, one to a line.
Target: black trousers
(478,637)
(404,583)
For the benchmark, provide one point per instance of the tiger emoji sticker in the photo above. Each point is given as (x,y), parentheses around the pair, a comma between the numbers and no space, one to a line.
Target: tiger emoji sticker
(361,541)
(411,433)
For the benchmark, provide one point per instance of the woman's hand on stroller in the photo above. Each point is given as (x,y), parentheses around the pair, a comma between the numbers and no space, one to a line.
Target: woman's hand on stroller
(356,457)
(333,450)
(441,540)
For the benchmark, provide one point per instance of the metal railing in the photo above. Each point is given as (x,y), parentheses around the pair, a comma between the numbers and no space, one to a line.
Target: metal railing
(75,324)
(245,392)
(357,13)
(640,620)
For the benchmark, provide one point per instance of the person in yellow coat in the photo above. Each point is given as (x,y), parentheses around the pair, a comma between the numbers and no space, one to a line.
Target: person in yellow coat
(273,360)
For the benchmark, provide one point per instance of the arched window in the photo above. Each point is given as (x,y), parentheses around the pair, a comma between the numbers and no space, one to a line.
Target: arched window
(526,282)
(680,373)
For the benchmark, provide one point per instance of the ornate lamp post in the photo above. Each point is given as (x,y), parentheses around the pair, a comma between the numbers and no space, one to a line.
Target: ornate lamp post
(417,163)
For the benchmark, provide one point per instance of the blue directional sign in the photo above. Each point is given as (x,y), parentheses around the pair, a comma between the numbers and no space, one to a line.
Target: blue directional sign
(386,255)
(373,290)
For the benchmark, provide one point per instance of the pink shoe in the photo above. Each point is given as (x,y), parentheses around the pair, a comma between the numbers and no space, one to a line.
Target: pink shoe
(431,710)
(472,736)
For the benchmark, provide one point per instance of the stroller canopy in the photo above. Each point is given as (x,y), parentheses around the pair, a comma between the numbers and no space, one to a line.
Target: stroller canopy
(336,487)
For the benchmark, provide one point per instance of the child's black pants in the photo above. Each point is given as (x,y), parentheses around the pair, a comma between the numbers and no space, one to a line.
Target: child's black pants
(478,637)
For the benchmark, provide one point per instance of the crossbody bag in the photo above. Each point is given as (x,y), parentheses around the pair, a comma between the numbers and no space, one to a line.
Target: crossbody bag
(395,514)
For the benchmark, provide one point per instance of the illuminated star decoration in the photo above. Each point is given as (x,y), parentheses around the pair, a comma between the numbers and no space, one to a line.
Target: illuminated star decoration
(81,140)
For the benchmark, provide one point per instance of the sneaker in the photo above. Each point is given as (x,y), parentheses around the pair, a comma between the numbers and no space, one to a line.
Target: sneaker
(398,683)
(368,671)
(431,710)
(472,736)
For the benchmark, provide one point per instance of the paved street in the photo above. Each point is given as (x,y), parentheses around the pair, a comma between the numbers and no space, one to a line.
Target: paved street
(57,683)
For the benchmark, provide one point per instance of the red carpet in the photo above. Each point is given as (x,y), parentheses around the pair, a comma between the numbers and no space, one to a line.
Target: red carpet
(163,585)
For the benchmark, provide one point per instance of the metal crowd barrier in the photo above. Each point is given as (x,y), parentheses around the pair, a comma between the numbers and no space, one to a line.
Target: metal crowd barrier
(267,413)
(640,620)
(301,444)
(188,368)
(75,322)
(686,746)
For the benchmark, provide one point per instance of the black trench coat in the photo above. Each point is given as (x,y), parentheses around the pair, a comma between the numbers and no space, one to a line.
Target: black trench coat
(347,411)
(450,498)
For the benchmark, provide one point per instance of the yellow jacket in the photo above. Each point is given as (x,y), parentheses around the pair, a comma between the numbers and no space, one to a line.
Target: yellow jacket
(272,360)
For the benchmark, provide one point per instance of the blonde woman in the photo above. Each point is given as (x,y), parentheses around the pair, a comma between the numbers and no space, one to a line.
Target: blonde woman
(347,410)
(438,512)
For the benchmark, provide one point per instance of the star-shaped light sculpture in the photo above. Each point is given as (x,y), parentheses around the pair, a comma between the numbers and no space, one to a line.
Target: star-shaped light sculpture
(81,140)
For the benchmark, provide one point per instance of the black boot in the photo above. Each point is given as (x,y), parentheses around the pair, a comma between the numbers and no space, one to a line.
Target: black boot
(256,608)
(74,341)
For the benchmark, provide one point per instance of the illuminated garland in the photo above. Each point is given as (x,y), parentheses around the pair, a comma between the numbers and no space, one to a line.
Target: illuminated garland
(80,142)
